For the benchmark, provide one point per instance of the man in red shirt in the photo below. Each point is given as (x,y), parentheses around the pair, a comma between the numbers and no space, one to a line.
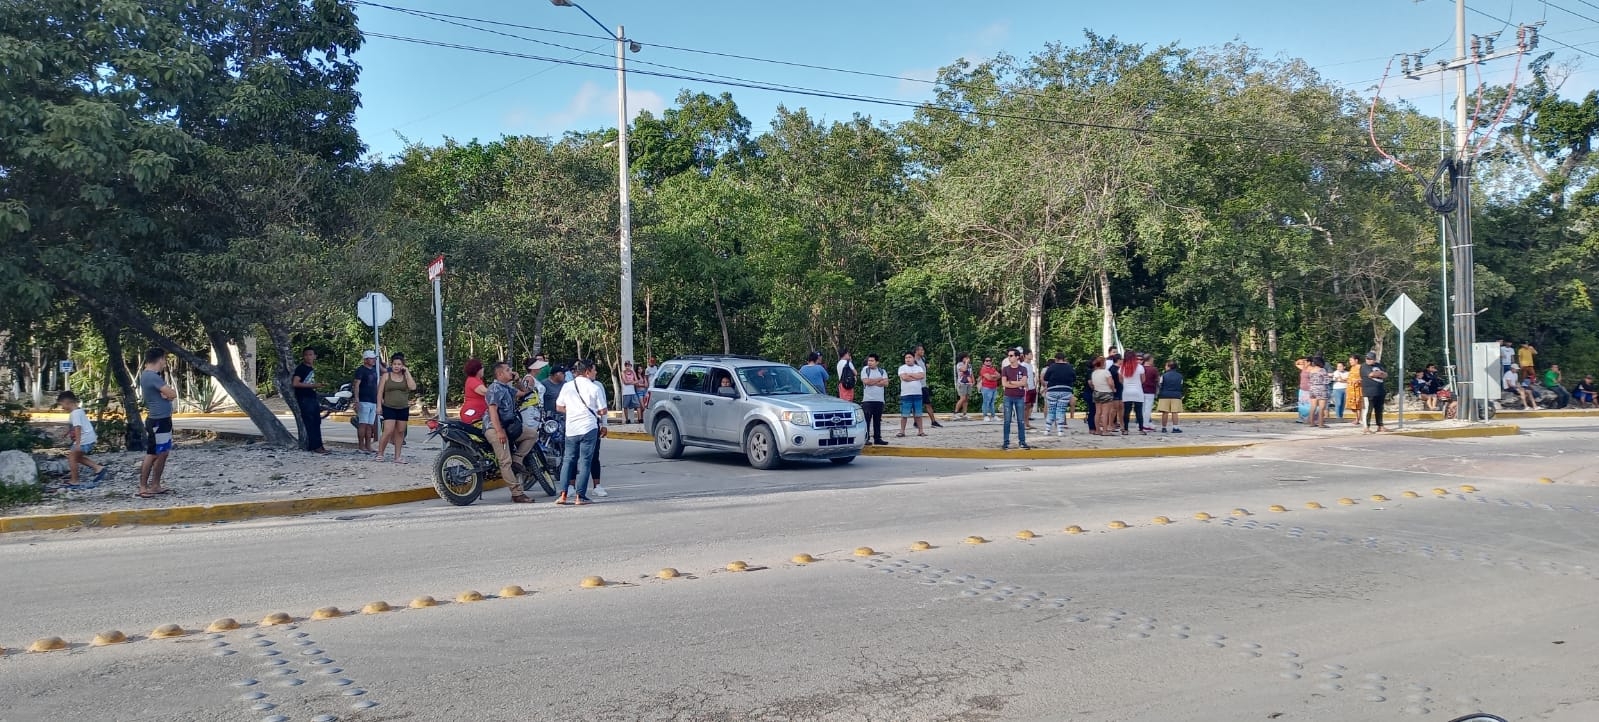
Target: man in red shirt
(1014,378)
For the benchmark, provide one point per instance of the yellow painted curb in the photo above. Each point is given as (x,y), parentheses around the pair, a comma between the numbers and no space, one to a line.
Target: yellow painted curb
(469,596)
(225,624)
(276,618)
(592,582)
(237,511)
(737,566)
(1464,432)
(628,436)
(1130,452)
(803,559)
(47,644)
(1026,534)
(865,552)
(167,631)
(423,602)
(378,607)
(667,573)
(108,638)
(513,590)
(327,613)
(920,546)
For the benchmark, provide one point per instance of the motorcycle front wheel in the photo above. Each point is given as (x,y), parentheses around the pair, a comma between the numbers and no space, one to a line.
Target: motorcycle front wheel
(455,476)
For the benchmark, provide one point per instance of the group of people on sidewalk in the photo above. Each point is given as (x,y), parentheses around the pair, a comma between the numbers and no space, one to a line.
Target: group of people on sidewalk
(1012,389)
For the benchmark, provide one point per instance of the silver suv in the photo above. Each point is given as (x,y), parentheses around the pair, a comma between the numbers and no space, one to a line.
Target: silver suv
(764,410)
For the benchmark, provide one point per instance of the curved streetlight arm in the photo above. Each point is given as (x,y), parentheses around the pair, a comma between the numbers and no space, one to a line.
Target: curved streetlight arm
(570,4)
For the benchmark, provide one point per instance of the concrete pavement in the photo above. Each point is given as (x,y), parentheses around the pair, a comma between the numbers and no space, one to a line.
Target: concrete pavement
(1411,607)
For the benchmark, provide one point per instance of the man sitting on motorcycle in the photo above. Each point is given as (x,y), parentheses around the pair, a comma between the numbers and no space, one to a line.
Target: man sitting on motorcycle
(505,428)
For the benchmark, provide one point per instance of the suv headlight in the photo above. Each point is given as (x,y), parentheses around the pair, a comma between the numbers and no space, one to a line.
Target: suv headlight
(857,416)
(798,418)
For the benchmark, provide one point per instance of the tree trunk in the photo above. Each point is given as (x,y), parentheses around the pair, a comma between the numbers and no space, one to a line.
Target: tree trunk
(538,318)
(129,393)
(649,348)
(1107,330)
(223,371)
(1237,376)
(721,318)
(1035,326)
(1277,398)
(283,373)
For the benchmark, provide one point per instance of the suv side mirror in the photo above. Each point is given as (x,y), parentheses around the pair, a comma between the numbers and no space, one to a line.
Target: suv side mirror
(727,391)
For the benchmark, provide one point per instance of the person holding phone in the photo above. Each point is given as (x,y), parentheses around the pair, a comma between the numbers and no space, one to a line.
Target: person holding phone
(394,393)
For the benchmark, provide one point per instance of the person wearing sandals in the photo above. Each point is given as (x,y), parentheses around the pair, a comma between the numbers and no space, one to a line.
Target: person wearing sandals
(158,396)
(1169,398)
(81,437)
(1319,392)
(394,393)
(912,381)
(1107,407)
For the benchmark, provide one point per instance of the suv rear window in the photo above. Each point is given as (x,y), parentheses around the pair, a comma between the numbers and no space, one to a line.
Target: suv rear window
(695,380)
(665,374)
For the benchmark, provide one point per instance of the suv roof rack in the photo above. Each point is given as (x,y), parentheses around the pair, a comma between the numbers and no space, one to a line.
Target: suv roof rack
(720,356)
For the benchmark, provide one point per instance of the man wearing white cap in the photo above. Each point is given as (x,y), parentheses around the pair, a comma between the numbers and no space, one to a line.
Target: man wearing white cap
(366,402)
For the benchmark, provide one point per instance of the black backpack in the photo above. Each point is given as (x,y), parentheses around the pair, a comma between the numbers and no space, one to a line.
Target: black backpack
(847,379)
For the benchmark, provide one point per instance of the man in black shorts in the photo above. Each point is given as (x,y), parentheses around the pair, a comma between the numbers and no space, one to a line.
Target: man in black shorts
(158,396)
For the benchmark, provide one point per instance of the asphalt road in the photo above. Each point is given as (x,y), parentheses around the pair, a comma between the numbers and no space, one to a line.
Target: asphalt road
(1422,607)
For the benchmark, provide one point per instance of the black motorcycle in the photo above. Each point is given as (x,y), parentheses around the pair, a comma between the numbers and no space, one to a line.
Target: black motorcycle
(339,402)
(467,461)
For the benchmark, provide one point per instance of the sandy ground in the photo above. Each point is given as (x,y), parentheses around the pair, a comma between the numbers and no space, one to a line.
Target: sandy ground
(212,471)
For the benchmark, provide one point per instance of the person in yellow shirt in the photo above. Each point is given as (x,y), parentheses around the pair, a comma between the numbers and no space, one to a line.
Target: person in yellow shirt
(1524,356)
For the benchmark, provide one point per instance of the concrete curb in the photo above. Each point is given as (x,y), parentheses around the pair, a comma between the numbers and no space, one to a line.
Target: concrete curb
(237,511)
(1468,432)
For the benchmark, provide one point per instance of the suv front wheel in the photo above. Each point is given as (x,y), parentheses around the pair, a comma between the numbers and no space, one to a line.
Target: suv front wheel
(668,442)
(761,448)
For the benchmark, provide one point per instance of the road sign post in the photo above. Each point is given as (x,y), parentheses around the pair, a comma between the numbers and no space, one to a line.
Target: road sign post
(435,272)
(1402,313)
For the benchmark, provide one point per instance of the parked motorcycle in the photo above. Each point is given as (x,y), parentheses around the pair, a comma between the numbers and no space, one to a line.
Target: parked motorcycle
(339,402)
(467,461)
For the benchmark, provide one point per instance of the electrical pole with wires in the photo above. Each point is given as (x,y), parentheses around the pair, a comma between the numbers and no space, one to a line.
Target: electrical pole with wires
(1470,391)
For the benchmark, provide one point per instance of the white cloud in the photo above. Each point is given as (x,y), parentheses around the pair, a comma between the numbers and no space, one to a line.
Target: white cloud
(591,104)
(996,33)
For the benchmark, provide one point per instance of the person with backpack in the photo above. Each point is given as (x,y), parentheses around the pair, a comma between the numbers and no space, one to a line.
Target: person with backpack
(848,378)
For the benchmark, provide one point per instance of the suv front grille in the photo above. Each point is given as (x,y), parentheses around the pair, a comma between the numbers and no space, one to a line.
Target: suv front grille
(833,419)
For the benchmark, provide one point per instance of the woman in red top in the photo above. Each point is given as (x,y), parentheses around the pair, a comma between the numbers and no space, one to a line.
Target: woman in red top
(988,382)
(475,397)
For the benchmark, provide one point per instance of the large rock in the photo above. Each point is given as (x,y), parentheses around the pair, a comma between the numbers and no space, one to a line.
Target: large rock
(18,467)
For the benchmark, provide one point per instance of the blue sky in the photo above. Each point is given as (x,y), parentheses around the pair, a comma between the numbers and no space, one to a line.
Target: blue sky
(426,93)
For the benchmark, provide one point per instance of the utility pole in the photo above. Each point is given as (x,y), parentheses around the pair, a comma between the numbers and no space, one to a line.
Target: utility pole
(1469,390)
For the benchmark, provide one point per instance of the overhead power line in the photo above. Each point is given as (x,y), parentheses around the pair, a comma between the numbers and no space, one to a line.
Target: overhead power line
(1546,37)
(914,105)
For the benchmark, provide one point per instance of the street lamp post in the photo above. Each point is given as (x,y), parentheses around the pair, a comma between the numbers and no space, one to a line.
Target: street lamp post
(622,46)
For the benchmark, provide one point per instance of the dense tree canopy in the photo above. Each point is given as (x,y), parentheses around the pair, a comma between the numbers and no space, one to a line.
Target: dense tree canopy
(187,175)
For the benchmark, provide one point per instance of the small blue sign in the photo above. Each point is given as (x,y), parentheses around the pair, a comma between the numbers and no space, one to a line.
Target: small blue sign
(67,366)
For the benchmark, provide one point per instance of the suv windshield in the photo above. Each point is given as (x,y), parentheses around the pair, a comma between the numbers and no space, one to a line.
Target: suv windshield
(774,381)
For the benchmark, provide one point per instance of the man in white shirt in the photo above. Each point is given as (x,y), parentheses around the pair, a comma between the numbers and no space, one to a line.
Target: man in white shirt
(874,381)
(583,402)
(912,382)
(927,392)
